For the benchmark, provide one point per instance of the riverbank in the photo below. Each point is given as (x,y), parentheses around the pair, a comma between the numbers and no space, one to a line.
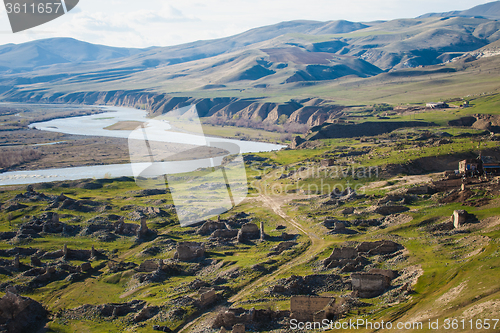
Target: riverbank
(69,144)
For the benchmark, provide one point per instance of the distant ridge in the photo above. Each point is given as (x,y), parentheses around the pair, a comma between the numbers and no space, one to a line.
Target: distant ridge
(490,10)
(51,51)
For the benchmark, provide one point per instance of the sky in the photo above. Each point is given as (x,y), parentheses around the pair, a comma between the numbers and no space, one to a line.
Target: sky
(132,23)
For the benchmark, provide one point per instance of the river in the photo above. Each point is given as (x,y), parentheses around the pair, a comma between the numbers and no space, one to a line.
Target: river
(95,125)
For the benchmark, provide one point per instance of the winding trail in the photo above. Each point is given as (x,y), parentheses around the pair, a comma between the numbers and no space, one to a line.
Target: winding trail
(316,245)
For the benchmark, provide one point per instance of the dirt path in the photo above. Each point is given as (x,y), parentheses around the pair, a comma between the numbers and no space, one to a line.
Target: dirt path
(316,245)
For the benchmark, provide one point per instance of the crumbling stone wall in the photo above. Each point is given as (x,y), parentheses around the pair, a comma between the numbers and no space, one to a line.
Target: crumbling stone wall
(210,226)
(257,318)
(248,231)
(303,308)
(281,247)
(378,247)
(459,218)
(386,272)
(224,233)
(149,266)
(339,253)
(207,296)
(369,285)
(188,251)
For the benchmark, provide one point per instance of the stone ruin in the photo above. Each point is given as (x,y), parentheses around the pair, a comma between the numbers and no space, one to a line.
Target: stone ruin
(36,256)
(227,229)
(310,284)
(342,226)
(120,266)
(189,251)
(347,258)
(248,231)
(150,265)
(316,308)
(255,319)
(460,218)
(32,196)
(69,254)
(113,310)
(281,247)
(48,223)
(21,314)
(207,297)
(338,197)
(351,259)
(45,223)
(60,271)
(54,202)
(209,227)
(106,230)
(378,247)
(371,284)
(310,308)
(39,272)
(224,233)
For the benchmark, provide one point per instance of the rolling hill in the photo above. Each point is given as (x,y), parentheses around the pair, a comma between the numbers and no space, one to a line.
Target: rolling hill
(490,10)
(47,52)
(340,62)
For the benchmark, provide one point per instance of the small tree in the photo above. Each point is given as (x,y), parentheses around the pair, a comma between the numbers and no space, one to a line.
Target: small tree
(10,217)
(282,119)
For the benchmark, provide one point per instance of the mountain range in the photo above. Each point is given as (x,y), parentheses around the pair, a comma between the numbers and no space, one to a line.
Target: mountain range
(277,60)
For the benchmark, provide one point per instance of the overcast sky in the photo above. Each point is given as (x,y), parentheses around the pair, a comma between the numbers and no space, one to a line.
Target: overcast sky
(144,23)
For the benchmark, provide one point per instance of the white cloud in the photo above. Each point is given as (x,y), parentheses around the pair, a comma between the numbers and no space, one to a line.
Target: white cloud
(163,22)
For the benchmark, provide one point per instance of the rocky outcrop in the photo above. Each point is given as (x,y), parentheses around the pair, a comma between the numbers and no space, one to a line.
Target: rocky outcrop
(20,314)
(296,141)
(342,130)
(224,109)
(487,122)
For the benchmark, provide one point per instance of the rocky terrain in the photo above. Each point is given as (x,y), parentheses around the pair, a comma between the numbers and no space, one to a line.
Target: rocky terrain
(364,216)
